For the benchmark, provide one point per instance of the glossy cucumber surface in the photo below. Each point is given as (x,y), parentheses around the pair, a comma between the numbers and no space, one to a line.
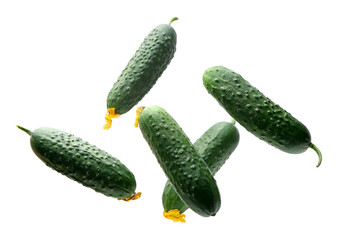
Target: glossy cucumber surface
(182,164)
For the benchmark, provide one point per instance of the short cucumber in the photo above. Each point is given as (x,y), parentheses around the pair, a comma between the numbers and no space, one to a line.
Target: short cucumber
(257,113)
(142,71)
(82,162)
(215,146)
(181,163)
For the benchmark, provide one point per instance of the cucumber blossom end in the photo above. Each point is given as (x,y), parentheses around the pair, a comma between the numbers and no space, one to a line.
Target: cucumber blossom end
(108,116)
(134,196)
(174,215)
(138,113)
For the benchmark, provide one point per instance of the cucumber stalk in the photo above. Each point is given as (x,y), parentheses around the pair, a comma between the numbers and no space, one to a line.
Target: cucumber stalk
(172,20)
(25,130)
(318,153)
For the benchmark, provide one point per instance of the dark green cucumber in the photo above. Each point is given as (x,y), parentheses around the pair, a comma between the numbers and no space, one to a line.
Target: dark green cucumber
(82,162)
(257,113)
(215,146)
(182,164)
(143,70)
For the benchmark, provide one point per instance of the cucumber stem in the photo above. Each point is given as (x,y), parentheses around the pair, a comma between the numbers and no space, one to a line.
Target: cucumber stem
(233,121)
(318,153)
(25,130)
(172,20)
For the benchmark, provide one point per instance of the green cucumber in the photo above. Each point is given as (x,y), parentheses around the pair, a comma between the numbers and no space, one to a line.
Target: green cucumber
(142,71)
(215,146)
(182,164)
(257,113)
(82,162)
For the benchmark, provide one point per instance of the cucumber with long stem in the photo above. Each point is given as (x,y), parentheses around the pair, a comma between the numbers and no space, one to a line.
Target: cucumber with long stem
(257,113)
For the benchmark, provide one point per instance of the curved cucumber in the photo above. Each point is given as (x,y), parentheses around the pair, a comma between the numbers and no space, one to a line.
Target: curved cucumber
(142,71)
(215,146)
(82,162)
(257,113)
(182,164)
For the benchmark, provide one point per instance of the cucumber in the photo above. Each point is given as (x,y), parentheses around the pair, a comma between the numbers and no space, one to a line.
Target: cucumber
(83,162)
(182,164)
(215,146)
(257,113)
(142,71)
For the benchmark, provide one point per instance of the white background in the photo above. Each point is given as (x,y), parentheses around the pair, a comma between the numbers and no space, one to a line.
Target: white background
(59,59)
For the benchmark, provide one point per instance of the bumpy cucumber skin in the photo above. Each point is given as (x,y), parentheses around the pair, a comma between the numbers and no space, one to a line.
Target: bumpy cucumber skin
(215,146)
(143,70)
(257,113)
(83,162)
(181,163)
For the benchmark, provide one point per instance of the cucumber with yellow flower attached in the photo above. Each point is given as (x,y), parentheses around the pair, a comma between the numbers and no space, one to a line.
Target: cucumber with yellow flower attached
(215,146)
(182,164)
(83,162)
(142,72)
